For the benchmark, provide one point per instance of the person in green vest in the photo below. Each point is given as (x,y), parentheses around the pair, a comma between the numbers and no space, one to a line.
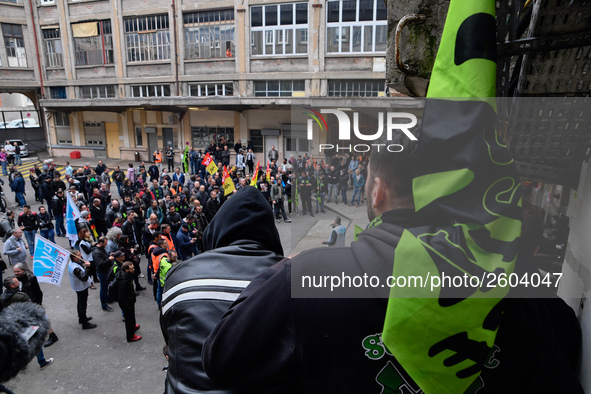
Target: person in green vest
(166,263)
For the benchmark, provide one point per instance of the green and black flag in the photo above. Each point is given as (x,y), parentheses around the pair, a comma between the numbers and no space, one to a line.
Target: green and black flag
(465,182)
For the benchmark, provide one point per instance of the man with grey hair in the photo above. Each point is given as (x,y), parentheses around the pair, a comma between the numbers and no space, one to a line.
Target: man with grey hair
(113,236)
(15,248)
(8,224)
(337,235)
(241,183)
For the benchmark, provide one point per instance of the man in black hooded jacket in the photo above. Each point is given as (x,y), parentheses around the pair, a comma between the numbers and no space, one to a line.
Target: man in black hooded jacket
(240,242)
(272,341)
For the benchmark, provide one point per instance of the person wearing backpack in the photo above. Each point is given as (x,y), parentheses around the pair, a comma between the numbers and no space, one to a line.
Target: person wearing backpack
(126,300)
(80,281)
(118,259)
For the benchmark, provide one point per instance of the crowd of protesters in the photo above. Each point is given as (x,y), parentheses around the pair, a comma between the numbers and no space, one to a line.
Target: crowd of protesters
(159,210)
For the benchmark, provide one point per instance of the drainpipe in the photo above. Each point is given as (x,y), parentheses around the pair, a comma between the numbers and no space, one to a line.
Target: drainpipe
(37,50)
(176,55)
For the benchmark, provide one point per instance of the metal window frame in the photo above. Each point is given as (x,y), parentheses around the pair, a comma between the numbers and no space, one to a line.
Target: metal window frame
(349,27)
(270,33)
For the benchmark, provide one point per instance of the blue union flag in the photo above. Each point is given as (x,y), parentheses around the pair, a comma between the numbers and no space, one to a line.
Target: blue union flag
(72,213)
(50,262)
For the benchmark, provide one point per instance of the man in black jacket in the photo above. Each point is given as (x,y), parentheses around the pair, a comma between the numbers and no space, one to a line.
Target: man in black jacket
(128,228)
(238,247)
(58,204)
(126,300)
(174,220)
(202,195)
(97,213)
(212,206)
(103,262)
(113,212)
(270,342)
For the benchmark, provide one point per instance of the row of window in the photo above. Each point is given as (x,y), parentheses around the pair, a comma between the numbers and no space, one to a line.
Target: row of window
(270,88)
(353,26)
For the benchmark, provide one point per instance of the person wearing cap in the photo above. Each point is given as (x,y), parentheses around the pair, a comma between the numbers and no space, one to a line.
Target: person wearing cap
(185,242)
(118,260)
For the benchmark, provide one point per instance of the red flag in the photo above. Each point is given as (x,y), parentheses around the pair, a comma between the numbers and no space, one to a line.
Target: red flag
(206,160)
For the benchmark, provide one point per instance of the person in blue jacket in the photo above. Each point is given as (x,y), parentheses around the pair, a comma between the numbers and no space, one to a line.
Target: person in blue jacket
(185,242)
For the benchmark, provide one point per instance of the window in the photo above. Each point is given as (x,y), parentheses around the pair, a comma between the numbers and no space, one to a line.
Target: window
(44,2)
(15,45)
(139,138)
(293,144)
(9,1)
(93,43)
(147,38)
(256,140)
(61,119)
(95,133)
(94,92)
(202,136)
(355,88)
(150,91)
(277,88)
(279,29)
(356,26)
(58,92)
(211,89)
(53,47)
(62,128)
(209,34)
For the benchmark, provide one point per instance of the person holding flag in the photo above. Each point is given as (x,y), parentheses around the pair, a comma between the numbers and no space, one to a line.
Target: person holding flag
(449,205)
(254,180)
(209,164)
(228,184)
(186,158)
(72,214)
(268,172)
(80,281)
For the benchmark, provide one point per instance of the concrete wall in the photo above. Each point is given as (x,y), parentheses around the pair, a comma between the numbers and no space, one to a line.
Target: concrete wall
(418,45)
(575,284)
(211,118)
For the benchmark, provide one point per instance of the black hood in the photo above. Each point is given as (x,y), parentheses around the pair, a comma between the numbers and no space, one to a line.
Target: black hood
(246,215)
(158,251)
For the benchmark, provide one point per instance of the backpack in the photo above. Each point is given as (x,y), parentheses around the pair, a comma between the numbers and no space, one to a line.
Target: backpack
(113,273)
(2,231)
(113,290)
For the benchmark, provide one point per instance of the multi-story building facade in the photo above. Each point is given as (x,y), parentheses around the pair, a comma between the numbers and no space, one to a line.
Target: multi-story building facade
(113,77)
